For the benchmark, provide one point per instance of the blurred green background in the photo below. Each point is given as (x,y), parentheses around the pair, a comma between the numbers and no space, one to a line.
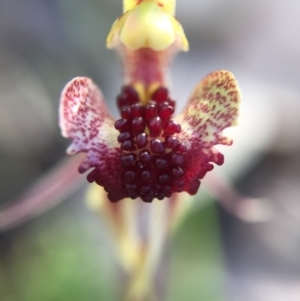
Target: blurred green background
(65,254)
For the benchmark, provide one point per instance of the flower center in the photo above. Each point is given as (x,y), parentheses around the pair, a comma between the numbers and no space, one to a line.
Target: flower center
(152,157)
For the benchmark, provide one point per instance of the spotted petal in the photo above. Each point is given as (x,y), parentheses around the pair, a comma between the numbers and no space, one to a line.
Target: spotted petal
(84,118)
(213,107)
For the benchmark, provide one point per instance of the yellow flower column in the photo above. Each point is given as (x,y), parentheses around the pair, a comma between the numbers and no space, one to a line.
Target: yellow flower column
(146,37)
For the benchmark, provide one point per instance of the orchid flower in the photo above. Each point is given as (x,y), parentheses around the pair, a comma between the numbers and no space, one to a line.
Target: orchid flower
(148,152)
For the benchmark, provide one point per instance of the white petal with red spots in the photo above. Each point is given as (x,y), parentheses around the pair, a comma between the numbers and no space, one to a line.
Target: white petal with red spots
(84,118)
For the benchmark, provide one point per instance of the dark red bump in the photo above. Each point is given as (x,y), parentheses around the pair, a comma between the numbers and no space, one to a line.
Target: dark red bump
(182,148)
(147,198)
(157,146)
(157,187)
(163,178)
(146,176)
(165,111)
(160,163)
(178,188)
(131,94)
(154,126)
(179,183)
(122,125)
(138,124)
(171,142)
(129,176)
(167,189)
(220,159)
(145,156)
(150,111)
(209,167)
(137,110)
(124,136)
(160,196)
(91,176)
(128,159)
(144,189)
(160,95)
(139,165)
(141,140)
(133,195)
(172,127)
(177,172)
(127,145)
(126,112)
(131,188)
(194,187)
(177,159)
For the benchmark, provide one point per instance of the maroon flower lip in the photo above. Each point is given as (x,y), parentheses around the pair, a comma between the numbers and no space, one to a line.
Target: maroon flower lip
(147,153)
(152,156)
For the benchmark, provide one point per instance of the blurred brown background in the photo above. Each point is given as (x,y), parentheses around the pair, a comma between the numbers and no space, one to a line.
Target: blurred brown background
(63,254)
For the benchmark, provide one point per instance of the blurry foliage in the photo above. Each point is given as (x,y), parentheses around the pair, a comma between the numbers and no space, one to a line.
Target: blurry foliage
(197,267)
(57,257)
(61,256)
